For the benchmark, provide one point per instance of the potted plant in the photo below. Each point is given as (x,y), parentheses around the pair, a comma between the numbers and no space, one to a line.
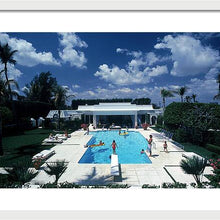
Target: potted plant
(145,126)
(84,126)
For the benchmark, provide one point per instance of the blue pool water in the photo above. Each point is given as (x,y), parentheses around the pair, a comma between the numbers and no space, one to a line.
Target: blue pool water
(129,148)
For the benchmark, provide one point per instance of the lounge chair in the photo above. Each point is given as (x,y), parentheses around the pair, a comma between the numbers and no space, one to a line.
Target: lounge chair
(53,141)
(114,165)
(43,155)
(61,136)
(115,127)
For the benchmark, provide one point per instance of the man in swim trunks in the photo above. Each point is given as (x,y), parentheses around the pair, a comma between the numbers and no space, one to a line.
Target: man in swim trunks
(114,145)
(150,142)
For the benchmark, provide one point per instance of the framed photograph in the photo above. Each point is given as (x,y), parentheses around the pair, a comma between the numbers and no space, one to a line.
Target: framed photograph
(108,5)
(104,150)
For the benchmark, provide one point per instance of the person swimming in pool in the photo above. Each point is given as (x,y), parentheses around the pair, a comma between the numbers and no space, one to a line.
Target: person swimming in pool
(101,143)
(142,151)
(114,145)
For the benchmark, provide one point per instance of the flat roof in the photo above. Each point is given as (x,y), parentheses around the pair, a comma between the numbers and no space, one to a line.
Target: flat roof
(115,107)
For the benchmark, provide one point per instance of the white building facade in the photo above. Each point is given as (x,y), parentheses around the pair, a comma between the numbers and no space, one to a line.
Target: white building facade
(137,113)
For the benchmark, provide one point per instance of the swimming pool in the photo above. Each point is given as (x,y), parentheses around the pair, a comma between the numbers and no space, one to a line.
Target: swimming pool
(129,148)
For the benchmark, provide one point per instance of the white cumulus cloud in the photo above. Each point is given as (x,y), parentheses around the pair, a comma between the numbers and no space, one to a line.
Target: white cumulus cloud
(76,86)
(13,73)
(139,70)
(188,54)
(27,55)
(69,54)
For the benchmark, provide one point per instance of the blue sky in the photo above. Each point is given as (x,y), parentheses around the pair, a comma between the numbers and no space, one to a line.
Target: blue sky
(119,65)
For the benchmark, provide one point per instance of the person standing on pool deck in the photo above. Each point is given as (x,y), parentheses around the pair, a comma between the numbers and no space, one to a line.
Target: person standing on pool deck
(165,146)
(114,145)
(150,141)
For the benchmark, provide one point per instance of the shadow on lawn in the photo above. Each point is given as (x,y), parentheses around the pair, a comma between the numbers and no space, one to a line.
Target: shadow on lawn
(94,179)
(27,150)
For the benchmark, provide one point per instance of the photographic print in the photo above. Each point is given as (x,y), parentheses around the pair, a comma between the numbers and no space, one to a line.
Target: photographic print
(109,110)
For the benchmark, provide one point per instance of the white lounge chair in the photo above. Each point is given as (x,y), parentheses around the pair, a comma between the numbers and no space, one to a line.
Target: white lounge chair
(43,154)
(114,165)
(53,140)
(61,136)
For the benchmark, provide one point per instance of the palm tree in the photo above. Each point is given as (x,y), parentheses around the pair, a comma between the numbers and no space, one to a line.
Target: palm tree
(1,147)
(60,100)
(181,92)
(188,98)
(41,88)
(194,166)
(165,94)
(5,95)
(218,81)
(21,172)
(56,168)
(4,92)
(6,56)
(194,97)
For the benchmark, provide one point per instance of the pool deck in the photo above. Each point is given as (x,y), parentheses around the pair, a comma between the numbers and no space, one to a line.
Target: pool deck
(163,166)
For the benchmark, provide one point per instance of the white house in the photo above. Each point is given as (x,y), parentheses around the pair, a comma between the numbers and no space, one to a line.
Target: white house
(102,110)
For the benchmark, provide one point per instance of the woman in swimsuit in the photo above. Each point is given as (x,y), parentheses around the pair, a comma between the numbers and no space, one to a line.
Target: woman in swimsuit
(114,145)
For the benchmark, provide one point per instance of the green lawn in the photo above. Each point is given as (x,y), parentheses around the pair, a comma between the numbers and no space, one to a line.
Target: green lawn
(23,147)
(198,150)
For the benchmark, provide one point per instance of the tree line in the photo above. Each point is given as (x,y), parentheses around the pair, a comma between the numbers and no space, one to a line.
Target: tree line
(165,93)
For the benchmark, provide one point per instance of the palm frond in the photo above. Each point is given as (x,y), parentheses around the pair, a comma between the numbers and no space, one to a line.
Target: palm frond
(13,82)
(194,166)
(21,172)
(56,168)
(217,97)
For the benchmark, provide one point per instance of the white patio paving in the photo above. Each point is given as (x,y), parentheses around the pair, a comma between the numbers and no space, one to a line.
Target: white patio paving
(132,174)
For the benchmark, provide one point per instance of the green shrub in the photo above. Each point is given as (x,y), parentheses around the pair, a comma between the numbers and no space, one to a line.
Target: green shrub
(217,139)
(195,119)
(49,185)
(160,120)
(73,125)
(181,136)
(114,185)
(7,116)
(56,169)
(174,185)
(60,185)
(20,172)
(73,185)
(150,186)
(69,185)
(213,148)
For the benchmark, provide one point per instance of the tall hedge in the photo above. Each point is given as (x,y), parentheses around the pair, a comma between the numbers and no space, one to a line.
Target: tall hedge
(30,109)
(192,119)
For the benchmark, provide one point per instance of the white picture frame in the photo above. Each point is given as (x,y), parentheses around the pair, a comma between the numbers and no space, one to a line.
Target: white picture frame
(29,204)
(116,5)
